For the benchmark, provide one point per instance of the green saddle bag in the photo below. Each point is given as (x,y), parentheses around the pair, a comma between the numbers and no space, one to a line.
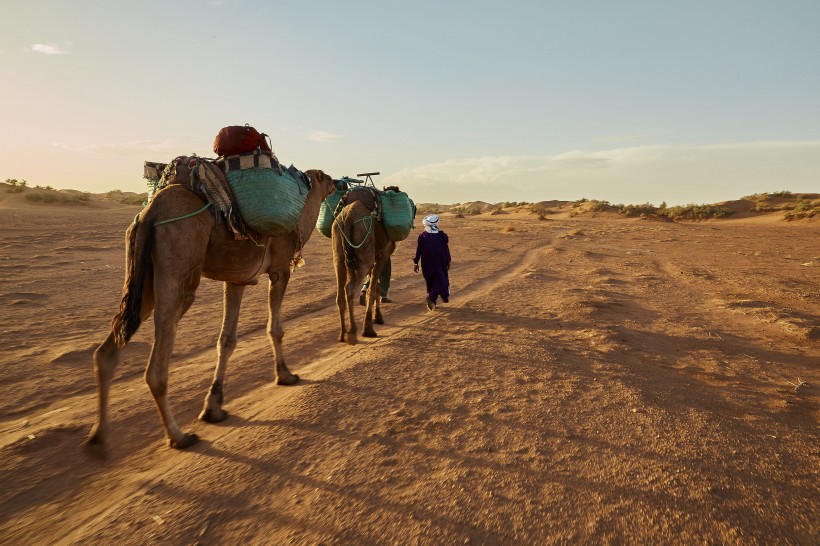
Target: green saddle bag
(397,211)
(270,200)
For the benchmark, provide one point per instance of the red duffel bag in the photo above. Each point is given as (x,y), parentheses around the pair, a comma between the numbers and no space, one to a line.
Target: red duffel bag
(239,139)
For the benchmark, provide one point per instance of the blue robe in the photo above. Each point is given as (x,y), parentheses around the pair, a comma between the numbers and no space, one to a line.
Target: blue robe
(434,252)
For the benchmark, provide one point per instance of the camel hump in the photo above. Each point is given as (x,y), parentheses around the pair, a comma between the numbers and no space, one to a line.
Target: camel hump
(361,194)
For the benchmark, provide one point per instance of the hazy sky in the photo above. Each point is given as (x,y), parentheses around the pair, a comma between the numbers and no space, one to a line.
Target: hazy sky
(630,101)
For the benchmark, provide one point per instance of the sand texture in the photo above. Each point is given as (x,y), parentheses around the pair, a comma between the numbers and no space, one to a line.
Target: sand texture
(595,379)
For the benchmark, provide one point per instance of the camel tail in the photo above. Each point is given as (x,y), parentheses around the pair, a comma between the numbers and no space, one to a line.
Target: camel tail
(139,243)
(346,228)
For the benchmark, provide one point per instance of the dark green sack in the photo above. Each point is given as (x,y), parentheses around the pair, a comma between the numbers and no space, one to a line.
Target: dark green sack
(270,201)
(324,223)
(397,214)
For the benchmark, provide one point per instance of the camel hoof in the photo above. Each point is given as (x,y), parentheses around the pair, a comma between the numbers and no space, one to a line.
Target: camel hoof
(378,320)
(370,333)
(292,379)
(95,437)
(213,415)
(187,441)
(351,339)
(95,446)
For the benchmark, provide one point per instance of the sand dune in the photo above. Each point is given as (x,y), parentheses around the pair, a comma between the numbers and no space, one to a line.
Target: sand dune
(596,378)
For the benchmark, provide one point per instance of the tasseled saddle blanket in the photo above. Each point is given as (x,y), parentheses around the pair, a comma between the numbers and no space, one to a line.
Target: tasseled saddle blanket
(205,178)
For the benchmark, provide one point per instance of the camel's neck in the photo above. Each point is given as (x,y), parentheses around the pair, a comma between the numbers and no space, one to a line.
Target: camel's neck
(307,222)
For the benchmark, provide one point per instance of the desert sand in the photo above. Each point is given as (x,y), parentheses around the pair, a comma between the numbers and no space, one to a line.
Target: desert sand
(595,379)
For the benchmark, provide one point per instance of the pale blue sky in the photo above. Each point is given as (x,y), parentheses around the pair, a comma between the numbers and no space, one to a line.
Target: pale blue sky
(629,101)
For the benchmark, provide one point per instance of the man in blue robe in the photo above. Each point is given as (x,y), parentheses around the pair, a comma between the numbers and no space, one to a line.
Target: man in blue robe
(434,252)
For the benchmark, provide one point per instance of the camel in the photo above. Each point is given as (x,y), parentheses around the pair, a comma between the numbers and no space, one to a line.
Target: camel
(360,246)
(164,264)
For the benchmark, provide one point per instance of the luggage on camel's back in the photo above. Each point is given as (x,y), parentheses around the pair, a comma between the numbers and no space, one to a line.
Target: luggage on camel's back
(328,208)
(270,198)
(239,139)
(397,210)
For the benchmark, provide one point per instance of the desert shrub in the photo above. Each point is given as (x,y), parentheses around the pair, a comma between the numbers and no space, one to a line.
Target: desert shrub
(695,212)
(802,204)
(579,202)
(763,206)
(540,209)
(782,193)
(802,209)
(15,186)
(638,210)
(597,206)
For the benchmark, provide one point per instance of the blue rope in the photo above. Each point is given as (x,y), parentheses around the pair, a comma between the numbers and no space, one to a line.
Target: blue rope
(203,209)
(366,235)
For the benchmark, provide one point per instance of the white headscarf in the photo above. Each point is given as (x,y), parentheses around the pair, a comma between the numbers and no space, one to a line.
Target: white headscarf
(431,223)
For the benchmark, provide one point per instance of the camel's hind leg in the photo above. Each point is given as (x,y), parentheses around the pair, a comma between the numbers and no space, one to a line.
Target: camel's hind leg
(212,411)
(341,301)
(106,358)
(373,296)
(276,293)
(353,279)
(170,306)
(378,318)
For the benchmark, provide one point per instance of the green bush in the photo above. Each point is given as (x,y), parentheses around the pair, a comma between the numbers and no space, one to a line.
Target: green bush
(640,210)
(695,212)
(597,206)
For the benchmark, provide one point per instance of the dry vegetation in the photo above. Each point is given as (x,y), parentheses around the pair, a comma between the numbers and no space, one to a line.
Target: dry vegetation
(49,195)
(791,207)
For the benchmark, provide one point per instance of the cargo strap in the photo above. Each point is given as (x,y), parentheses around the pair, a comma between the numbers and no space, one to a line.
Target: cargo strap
(203,209)
(369,218)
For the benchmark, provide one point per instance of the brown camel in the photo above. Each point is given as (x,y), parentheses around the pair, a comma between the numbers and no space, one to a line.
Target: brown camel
(360,247)
(164,264)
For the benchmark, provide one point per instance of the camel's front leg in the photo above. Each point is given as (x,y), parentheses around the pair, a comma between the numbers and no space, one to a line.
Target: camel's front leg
(212,411)
(276,292)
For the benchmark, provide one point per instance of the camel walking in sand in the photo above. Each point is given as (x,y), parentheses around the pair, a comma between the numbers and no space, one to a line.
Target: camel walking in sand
(164,264)
(360,247)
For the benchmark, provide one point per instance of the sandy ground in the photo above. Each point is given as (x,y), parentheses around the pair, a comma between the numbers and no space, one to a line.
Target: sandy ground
(595,379)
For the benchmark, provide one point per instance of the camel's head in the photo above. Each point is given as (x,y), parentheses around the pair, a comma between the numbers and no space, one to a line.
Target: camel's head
(322,181)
